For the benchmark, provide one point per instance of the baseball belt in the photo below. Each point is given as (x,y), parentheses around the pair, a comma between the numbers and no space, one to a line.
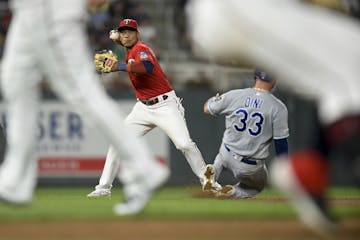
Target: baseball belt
(244,160)
(154,100)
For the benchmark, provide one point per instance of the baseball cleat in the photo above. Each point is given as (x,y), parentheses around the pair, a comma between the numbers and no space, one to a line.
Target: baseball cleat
(310,211)
(13,198)
(227,191)
(209,179)
(137,201)
(99,193)
(133,205)
(14,202)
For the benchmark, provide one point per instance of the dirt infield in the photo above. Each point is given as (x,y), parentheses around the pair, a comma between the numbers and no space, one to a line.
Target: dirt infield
(170,230)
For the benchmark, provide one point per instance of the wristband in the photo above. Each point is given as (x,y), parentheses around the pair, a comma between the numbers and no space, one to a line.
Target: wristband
(121,67)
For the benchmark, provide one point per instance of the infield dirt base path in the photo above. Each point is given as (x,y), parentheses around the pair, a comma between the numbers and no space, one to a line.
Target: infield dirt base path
(170,230)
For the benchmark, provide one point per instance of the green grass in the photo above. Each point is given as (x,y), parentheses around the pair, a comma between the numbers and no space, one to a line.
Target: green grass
(168,203)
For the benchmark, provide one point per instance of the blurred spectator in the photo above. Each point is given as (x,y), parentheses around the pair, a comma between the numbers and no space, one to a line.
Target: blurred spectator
(2,40)
(147,31)
(5,19)
(101,20)
(350,7)
(199,82)
(180,24)
(148,34)
(119,9)
(98,16)
(138,12)
(97,27)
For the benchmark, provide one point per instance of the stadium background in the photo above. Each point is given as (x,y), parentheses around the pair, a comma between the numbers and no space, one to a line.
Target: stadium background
(178,211)
(163,26)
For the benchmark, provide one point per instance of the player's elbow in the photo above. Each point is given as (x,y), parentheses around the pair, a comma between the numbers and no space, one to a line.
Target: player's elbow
(140,67)
(206,108)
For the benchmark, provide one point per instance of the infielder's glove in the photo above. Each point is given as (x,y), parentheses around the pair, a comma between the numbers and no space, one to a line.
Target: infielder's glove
(105,60)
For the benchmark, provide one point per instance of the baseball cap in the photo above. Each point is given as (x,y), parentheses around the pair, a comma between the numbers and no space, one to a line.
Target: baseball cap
(128,23)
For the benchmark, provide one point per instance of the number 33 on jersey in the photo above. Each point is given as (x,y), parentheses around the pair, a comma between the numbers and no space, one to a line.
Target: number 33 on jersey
(253,118)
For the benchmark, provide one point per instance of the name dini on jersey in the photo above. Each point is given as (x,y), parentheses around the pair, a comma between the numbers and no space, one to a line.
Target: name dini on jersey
(253,102)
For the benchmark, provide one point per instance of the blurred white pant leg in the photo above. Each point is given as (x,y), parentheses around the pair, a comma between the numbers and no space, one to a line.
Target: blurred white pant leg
(312,51)
(18,172)
(138,122)
(315,52)
(112,163)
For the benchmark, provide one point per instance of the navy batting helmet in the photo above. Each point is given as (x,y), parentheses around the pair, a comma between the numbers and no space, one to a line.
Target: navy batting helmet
(262,75)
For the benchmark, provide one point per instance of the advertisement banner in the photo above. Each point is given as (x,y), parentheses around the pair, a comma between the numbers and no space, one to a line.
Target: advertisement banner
(67,145)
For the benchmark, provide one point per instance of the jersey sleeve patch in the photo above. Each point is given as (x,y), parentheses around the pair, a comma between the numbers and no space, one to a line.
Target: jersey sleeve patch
(218,97)
(143,55)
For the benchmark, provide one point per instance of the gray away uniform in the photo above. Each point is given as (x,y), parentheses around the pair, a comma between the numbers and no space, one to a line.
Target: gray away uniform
(253,118)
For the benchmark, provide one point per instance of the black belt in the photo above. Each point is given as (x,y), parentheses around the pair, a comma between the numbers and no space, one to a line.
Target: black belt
(153,101)
(244,160)
(248,161)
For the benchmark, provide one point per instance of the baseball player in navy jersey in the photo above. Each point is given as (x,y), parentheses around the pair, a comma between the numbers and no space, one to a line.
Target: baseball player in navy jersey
(157,106)
(253,118)
(315,53)
(47,39)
